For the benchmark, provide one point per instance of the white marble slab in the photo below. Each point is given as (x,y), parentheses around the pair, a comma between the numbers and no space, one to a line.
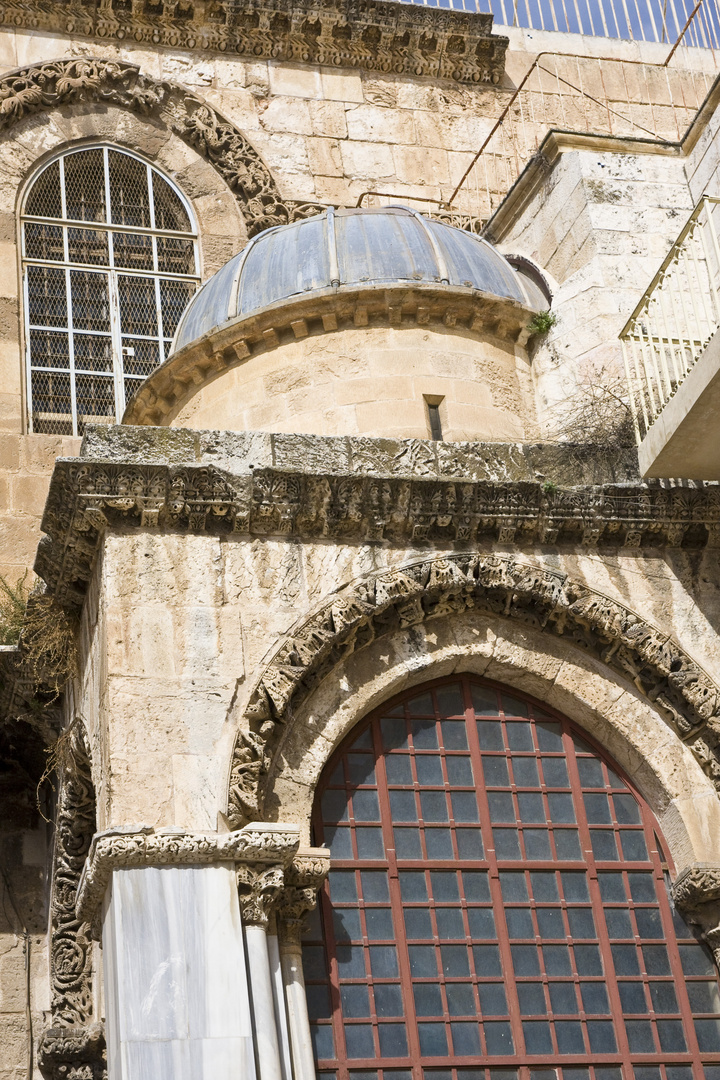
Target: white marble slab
(175,976)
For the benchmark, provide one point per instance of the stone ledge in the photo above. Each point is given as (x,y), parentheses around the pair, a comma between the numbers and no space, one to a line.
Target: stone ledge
(396,38)
(140,845)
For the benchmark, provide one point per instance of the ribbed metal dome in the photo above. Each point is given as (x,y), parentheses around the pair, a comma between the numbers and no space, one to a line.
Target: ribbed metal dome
(342,249)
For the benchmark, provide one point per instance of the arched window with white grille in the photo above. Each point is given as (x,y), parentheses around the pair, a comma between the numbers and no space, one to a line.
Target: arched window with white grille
(110,260)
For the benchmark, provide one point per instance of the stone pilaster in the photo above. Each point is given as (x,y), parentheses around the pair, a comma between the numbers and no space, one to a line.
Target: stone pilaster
(696,893)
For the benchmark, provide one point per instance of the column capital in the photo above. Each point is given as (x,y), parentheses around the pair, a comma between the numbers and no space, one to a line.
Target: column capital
(259,887)
(696,892)
(303,877)
(137,846)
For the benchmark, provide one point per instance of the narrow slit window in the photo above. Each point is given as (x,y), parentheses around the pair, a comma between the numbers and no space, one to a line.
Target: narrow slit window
(110,261)
(433,409)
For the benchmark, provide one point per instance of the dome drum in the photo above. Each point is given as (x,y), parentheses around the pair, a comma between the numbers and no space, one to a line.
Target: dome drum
(338,271)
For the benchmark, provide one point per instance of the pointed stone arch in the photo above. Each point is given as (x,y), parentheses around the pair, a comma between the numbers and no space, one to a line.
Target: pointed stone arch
(43,87)
(493,584)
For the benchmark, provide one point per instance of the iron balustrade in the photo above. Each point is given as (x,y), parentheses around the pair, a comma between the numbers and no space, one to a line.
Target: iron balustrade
(675,319)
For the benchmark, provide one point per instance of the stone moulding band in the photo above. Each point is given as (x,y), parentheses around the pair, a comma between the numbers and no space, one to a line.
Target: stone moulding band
(496,584)
(362,34)
(141,846)
(409,304)
(357,504)
(46,86)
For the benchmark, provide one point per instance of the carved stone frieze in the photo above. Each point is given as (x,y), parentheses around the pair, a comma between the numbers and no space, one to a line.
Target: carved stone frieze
(259,887)
(696,893)
(303,878)
(138,846)
(497,584)
(73,1045)
(40,87)
(365,34)
(411,506)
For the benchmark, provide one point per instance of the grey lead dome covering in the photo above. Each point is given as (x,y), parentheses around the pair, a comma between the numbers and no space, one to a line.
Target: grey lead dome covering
(349,248)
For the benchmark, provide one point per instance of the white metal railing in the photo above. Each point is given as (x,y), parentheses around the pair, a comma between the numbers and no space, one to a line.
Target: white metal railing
(628,20)
(676,317)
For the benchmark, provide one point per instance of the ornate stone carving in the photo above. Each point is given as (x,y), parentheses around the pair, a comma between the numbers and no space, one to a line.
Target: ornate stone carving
(696,893)
(372,497)
(72,1046)
(68,82)
(303,877)
(259,887)
(382,37)
(136,846)
(73,1053)
(497,584)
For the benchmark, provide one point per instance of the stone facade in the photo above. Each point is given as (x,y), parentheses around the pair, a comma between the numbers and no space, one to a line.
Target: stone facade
(272,544)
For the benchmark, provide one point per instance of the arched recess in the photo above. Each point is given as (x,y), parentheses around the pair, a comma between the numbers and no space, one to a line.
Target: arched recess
(498,896)
(42,87)
(562,640)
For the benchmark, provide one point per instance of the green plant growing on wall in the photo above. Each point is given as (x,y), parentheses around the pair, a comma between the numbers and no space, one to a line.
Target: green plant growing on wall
(13,602)
(541,323)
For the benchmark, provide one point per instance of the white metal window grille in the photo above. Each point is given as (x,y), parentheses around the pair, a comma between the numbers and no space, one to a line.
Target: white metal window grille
(109,263)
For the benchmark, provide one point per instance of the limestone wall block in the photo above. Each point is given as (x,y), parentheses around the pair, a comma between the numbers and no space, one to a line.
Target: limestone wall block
(324,157)
(287,114)
(341,86)
(295,80)
(328,119)
(369,123)
(412,162)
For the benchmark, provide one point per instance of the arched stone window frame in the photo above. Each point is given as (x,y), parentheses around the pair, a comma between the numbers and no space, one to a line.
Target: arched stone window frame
(115,270)
(401,1050)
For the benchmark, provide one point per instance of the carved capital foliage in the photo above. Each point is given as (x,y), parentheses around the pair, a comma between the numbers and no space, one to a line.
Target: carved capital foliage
(259,887)
(696,893)
(303,878)
(135,847)
(41,87)
(495,584)
(362,34)
(67,1053)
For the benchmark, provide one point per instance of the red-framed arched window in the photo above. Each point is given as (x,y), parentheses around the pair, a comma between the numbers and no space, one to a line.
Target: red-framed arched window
(497,906)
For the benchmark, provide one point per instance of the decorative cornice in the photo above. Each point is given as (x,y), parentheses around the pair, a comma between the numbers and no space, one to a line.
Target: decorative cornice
(41,87)
(384,490)
(259,888)
(382,37)
(303,878)
(696,893)
(399,305)
(141,845)
(500,585)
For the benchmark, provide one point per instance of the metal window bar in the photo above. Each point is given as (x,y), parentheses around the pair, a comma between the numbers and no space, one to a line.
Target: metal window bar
(676,317)
(136,324)
(436,927)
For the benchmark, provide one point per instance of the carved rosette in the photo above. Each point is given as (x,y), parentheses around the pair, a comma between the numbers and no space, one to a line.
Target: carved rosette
(303,878)
(696,893)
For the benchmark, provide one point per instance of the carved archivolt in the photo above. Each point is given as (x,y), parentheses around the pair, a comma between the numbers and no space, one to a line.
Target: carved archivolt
(40,87)
(491,583)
